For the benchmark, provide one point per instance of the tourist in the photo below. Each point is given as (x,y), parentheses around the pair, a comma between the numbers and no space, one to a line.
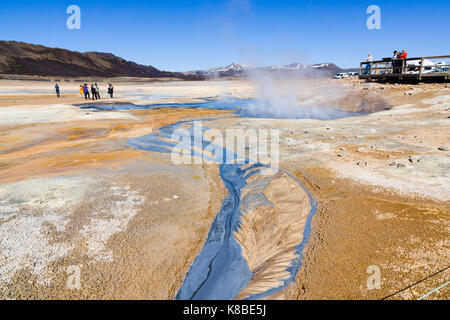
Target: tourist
(396,65)
(86,92)
(57,90)
(94,95)
(403,55)
(111,90)
(97,92)
(368,68)
(81,90)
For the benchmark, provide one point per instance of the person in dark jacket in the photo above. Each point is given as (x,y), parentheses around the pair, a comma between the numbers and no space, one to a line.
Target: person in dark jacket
(396,64)
(94,95)
(111,90)
(57,90)
(97,92)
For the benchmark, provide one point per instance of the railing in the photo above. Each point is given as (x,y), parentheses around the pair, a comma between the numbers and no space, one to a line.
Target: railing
(410,67)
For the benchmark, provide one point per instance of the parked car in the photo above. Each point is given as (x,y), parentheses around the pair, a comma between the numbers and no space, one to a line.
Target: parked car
(341,75)
(428,66)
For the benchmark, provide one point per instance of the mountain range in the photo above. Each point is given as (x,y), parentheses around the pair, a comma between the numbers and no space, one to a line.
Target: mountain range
(19,58)
(242,70)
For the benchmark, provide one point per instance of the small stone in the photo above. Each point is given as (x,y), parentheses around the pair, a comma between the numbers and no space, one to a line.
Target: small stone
(342,154)
(413,159)
(360,150)
(341,148)
(443,148)
(393,164)
(400,165)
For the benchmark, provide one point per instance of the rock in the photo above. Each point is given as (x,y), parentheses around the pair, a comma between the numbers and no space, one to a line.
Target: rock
(291,142)
(342,154)
(397,164)
(362,163)
(360,150)
(443,148)
(307,131)
(413,159)
(341,148)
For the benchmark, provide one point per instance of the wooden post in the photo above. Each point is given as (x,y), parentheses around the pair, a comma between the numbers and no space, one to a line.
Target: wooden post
(385,69)
(420,69)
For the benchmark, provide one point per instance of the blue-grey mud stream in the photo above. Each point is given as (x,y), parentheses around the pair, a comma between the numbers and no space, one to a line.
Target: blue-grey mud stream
(221,271)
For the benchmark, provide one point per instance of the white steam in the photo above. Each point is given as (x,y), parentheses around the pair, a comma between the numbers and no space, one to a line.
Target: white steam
(294,95)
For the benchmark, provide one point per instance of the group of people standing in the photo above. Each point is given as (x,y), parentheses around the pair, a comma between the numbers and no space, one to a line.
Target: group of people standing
(95,91)
(397,62)
(84,91)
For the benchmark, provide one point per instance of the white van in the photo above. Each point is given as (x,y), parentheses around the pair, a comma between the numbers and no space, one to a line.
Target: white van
(341,75)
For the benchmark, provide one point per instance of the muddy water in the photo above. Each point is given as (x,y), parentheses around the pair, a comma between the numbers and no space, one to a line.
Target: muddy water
(243,107)
(220,271)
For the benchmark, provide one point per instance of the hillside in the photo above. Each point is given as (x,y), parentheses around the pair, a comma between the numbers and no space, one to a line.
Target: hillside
(29,59)
(19,58)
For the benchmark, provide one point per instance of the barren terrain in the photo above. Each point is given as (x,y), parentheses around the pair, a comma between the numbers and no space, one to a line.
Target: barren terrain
(73,192)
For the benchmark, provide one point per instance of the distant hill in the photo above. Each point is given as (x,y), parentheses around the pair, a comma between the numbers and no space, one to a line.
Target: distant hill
(241,70)
(28,59)
(19,58)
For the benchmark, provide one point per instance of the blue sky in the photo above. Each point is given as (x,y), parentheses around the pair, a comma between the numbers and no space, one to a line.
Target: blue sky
(189,35)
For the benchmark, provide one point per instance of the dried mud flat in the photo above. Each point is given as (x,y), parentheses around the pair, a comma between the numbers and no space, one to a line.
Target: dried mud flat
(72,193)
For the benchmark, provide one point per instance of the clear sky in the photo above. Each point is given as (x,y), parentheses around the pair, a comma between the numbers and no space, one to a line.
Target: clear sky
(200,34)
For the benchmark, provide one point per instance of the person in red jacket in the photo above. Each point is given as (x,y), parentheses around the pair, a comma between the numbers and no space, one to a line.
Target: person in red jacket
(403,55)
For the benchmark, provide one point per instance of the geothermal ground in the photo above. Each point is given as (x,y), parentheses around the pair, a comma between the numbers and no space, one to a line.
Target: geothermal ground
(364,183)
